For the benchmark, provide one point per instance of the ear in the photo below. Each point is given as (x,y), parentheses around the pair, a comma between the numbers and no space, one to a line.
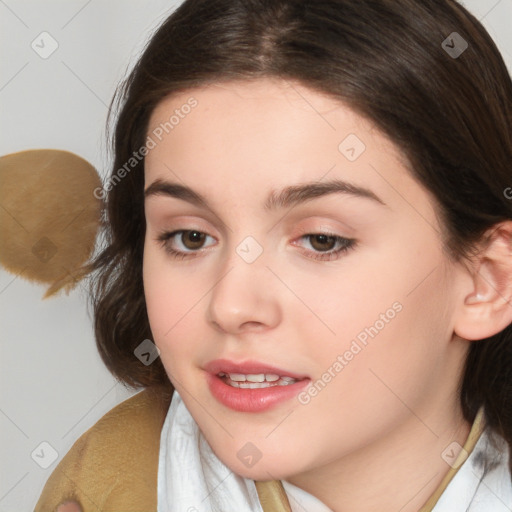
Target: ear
(487,308)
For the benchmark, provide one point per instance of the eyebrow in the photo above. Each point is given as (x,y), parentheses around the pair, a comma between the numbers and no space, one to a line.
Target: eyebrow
(286,197)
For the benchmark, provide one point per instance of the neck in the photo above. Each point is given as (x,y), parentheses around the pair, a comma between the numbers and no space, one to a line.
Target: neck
(399,471)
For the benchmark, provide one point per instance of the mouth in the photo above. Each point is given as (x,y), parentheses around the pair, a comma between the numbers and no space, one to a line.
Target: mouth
(252,386)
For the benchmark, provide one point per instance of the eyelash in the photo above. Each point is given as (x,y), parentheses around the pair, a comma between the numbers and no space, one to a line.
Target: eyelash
(347,244)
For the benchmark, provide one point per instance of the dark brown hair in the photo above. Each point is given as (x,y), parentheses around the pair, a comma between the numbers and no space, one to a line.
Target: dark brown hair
(451,115)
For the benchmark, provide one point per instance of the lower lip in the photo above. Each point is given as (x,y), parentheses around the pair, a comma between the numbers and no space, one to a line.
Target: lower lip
(252,400)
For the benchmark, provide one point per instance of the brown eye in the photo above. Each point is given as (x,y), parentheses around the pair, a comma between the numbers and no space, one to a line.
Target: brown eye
(322,242)
(327,246)
(183,243)
(192,239)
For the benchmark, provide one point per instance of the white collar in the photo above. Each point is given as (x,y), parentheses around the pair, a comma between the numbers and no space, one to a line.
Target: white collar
(483,483)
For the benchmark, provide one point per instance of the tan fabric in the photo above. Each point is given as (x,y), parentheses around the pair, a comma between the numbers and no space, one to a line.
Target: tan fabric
(474,434)
(49,217)
(113,466)
(272,496)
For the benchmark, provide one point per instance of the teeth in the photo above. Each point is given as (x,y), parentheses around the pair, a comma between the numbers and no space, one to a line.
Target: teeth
(260,377)
(237,377)
(254,385)
(256,381)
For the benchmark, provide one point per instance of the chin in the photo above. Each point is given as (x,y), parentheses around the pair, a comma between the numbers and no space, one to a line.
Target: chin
(260,471)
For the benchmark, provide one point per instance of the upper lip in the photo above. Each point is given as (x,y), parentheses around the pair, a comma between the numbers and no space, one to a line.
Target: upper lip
(248,367)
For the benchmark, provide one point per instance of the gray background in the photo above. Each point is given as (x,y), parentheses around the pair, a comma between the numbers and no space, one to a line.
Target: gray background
(53,385)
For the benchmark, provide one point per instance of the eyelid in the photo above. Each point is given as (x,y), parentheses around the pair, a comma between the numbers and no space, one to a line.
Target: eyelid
(325,229)
(302,230)
(174,219)
(170,223)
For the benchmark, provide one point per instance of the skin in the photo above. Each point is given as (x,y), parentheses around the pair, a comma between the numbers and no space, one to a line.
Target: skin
(372,438)
(69,506)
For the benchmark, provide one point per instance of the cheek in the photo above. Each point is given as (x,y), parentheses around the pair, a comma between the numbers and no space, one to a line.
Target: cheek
(170,300)
(391,321)
(399,362)
(351,300)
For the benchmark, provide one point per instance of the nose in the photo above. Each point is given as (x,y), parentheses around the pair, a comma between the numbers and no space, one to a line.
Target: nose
(245,298)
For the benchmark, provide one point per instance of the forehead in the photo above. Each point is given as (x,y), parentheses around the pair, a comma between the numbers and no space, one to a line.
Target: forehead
(265,118)
(264,100)
(263,92)
(241,138)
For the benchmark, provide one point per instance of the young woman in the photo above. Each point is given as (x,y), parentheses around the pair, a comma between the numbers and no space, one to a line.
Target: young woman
(310,242)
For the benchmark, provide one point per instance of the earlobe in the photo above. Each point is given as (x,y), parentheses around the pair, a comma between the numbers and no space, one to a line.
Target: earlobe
(487,309)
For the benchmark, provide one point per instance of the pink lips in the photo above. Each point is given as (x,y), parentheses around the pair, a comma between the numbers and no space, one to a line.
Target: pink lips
(251,400)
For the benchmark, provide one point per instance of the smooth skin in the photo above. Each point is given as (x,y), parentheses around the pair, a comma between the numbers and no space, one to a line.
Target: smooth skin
(372,439)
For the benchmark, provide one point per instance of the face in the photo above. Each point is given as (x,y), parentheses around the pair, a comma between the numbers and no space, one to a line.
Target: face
(294,322)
